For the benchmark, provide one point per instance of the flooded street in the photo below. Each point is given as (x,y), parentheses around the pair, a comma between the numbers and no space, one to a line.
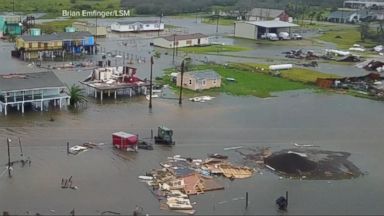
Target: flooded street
(107,179)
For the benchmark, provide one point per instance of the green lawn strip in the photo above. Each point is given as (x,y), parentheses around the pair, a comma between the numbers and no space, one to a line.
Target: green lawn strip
(222,21)
(345,37)
(247,82)
(55,26)
(213,49)
(295,74)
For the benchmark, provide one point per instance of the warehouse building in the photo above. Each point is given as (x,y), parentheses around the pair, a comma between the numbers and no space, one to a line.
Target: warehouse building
(254,29)
(188,40)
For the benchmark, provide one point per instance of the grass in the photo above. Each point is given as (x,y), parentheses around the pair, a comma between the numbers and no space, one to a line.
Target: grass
(344,36)
(55,26)
(222,21)
(248,83)
(56,6)
(213,49)
(295,74)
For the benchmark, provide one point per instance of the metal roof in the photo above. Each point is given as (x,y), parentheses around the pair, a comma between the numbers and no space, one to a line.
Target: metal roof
(28,81)
(185,37)
(137,22)
(57,36)
(123,134)
(204,74)
(272,24)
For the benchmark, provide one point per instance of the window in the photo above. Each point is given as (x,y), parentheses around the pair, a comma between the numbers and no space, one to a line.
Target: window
(30,45)
(147,25)
(190,82)
(39,44)
(204,83)
(189,42)
(214,81)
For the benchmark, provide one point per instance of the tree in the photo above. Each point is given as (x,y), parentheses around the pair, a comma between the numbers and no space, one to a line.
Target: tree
(311,16)
(77,95)
(364,28)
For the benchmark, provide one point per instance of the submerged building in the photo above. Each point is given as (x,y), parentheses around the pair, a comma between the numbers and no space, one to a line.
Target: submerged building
(30,47)
(32,89)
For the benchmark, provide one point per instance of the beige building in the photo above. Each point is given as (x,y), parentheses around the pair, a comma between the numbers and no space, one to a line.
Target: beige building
(182,40)
(99,31)
(199,80)
(254,29)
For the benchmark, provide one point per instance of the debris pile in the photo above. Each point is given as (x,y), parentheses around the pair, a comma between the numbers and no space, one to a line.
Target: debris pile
(300,54)
(180,178)
(66,183)
(313,164)
(84,147)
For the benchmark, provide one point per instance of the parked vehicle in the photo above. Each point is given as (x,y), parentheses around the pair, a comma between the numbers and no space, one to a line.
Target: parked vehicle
(284,36)
(270,36)
(296,36)
(164,136)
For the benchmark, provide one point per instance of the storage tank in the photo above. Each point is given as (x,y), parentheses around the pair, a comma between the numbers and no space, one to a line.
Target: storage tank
(35,32)
(70,29)
(281,67)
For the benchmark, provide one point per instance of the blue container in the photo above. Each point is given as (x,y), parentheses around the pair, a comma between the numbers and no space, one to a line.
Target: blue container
(88,41)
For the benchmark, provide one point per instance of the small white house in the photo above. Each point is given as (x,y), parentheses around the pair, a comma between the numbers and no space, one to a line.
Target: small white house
(138,26)
(188,40)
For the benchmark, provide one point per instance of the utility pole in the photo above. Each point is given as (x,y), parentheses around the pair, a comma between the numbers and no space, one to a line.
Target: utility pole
(174,46)
(21,149)
(217,25)
(9,159)
(150,85)
(13,7)
(158,32)
(96,37)
(181,82)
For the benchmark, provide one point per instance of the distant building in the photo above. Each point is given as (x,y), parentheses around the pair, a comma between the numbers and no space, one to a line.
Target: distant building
(35,89)
(199,80)
(263,14)
(99,31)
(181,40)
(49,46)
(363,4)
(254,30)
(347,16)
(139,26)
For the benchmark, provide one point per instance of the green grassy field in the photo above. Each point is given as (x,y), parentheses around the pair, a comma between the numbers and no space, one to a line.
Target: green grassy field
(55,26)
(222,21)
(295,74)
(247,82)
(213,49)
(344,36)
(56,6)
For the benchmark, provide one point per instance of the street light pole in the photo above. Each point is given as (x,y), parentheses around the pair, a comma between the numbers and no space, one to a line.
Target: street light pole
(150,85)
(181,82)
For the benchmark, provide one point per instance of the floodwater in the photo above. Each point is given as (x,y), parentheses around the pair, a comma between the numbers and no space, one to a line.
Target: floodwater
(107,180)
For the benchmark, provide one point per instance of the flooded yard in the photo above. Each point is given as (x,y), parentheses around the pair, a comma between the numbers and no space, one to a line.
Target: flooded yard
(107,179)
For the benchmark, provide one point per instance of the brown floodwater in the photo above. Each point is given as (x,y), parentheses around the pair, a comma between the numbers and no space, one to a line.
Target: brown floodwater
(107,180)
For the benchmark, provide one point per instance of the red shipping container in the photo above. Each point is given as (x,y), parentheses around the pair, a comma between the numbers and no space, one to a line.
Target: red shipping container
(126,141)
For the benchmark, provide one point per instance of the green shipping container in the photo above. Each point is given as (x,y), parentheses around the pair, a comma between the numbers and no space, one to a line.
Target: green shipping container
(35,32)
(1,24)
(70,29)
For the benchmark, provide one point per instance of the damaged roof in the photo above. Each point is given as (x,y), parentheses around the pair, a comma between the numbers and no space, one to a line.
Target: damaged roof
(203,74)
(27,81)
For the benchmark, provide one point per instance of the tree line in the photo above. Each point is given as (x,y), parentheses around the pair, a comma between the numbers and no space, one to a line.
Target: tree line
(172,7)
